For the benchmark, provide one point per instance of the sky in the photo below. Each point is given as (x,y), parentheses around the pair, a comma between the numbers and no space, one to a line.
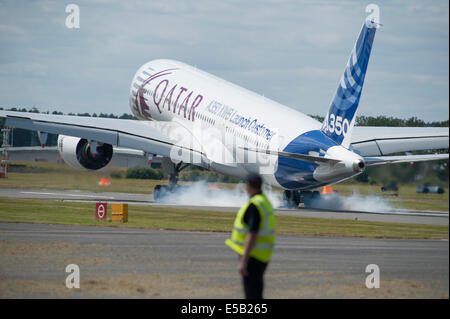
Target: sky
(293,52)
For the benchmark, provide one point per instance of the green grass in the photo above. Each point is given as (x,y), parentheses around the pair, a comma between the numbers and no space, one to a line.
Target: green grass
(80,181)
(63,177)
(420,205)
(74,213)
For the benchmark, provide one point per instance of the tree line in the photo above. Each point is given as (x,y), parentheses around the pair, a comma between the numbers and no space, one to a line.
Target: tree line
(382,120)
(20,137)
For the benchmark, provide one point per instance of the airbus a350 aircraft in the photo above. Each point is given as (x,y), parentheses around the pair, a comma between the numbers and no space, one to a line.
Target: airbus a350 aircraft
(188,116)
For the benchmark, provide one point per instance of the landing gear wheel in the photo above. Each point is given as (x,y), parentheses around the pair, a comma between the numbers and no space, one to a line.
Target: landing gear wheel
(172,169)
(159,192)
(291,199)
(308,197)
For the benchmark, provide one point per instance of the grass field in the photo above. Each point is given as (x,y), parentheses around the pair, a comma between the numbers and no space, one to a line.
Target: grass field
(63,177)
(60,212)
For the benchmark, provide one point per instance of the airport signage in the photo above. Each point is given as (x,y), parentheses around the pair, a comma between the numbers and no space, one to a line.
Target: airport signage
(100,211)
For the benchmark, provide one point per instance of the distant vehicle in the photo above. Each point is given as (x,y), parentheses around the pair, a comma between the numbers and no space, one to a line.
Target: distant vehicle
(430,189)
(392,186)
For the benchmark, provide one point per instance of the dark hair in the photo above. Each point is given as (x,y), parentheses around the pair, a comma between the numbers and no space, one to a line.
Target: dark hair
(254,180)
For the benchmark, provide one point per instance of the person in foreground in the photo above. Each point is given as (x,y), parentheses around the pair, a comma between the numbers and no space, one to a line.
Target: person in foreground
(253,237)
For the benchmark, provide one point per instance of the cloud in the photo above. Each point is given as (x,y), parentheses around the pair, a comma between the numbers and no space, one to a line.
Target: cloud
(11,31)
(23,69)
(291,51)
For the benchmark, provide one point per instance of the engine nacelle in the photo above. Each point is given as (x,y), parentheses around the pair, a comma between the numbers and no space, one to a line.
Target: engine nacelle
(77,153)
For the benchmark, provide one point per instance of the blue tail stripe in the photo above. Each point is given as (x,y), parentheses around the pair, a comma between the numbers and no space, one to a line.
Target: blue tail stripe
(346,99)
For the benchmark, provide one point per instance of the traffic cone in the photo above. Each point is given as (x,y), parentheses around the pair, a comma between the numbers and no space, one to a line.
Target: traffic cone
(104,181)
(327,189)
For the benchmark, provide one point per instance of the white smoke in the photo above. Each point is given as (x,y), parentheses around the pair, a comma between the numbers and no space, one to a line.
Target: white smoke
(203,194)
(355,202)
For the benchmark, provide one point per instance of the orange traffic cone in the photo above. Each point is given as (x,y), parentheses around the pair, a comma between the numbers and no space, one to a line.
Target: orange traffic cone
(104,181)
(327,189)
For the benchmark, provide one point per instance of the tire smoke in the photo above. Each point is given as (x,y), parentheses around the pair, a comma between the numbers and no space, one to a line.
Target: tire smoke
(202,194)
(355,202)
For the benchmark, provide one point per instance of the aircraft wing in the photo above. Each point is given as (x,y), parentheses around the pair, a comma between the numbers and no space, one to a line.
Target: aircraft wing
(132,134)
(380,141)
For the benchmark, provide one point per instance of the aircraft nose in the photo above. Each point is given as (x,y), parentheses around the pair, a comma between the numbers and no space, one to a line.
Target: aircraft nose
(359,165)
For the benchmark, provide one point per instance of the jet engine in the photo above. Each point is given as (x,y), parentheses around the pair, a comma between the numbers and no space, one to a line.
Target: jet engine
(83,154)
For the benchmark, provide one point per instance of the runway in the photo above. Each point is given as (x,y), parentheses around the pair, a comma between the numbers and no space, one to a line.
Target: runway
(394,216)
(143,263)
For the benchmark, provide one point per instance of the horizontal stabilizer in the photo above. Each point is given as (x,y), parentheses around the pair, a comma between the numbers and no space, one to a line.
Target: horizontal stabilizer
(404,159)
(307,158)
(381,141)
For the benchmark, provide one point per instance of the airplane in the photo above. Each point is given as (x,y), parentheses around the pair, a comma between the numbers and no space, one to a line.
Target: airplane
(190,117)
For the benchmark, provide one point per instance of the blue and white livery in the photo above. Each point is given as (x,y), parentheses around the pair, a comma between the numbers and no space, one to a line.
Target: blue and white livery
(340,119)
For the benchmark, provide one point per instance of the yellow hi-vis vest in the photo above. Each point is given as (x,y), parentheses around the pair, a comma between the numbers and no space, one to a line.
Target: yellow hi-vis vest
(266,234)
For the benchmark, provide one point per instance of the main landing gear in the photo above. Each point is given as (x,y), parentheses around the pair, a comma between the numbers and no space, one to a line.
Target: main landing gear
(160,191)
(292,199)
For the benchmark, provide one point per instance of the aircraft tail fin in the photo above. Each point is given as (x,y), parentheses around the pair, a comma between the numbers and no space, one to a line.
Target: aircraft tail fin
(340,119)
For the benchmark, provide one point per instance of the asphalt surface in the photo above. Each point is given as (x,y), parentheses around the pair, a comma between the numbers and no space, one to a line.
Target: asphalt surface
(395,216)
(142,263)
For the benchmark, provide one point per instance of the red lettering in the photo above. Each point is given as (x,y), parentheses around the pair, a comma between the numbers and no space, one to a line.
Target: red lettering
(162,94)
(169,98)
(185,103)
(140,92)
(143,105)
(182,89)
(193,106)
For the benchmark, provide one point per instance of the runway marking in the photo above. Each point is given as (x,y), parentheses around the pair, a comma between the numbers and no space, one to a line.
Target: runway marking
(65,194)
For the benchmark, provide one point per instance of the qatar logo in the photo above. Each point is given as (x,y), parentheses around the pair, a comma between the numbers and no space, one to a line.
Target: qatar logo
(141,104)
(164,95)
